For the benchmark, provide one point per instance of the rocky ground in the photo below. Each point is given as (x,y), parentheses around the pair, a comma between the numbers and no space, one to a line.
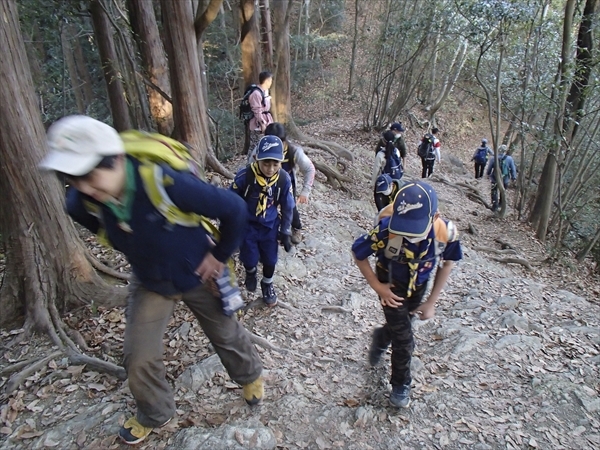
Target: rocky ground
(511,360)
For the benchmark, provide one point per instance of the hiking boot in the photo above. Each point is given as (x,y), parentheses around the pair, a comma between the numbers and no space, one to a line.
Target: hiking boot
(132,432)
(253,392)
(268,292)
(376,352)
(296,236)
(250,281)
(400,396)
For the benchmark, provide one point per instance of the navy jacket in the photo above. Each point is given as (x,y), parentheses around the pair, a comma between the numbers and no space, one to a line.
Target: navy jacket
(284,199)
(164,256)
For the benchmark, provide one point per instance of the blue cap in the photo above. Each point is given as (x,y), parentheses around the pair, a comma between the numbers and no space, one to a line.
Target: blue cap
(270,147)
(484,141)
(383,185)
(414,207)
(397,126)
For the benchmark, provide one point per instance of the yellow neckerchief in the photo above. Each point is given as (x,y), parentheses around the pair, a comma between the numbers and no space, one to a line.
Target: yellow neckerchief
(411,255)
(392,195)
(266,184)
(285,153)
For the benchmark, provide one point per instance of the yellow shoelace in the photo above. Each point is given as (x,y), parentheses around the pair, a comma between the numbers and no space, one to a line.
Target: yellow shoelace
(266,184)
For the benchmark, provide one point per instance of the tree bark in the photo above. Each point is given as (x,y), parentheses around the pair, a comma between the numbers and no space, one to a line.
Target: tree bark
(109,60)
(46,270)
(72,69)
(266,31)
(354,46)
(143,22)
(249,33)
(540,213)
(189,104)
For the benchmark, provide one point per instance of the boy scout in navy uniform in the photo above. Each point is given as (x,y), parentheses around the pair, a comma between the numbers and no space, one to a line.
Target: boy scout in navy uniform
(408,241)
(170,262)
(267,188)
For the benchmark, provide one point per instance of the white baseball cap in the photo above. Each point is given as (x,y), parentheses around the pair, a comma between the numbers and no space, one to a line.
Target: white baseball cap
(77,144)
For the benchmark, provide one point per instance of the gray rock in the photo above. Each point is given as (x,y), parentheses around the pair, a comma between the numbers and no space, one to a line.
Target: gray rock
(235,436)
(195,376)
(506,302)
(521,341)
(470,341)
(512,320)
(292,267)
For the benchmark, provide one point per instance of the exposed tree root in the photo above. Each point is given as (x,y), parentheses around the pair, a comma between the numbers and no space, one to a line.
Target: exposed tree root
(29,362)
(17,378)
(473,230)
(331,147)
(520,261)
(334,178)
(264,343)
(105,269)
(471,193)
(504,244)
(495,250)
(216,166)
(337,309)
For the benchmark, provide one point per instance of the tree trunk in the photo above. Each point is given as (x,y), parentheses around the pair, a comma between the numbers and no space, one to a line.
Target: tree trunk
(189,109)
(46,270)
(82,69)
(108,57)
(143,22)
(189,104)
(354,45)
(266,31)
(72,69)
(281,106)
(249,33)
(540,213)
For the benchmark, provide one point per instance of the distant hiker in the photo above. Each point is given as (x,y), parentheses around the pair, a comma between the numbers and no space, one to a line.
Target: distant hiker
(408,241)
(508,171)
(126,188)
(294,159)
(267,189)
(397,128)
(429,152)
(386,190)
(258,101)
(388,159)
(480,158)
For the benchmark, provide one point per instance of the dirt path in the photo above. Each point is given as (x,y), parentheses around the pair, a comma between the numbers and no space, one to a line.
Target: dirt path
(511,359)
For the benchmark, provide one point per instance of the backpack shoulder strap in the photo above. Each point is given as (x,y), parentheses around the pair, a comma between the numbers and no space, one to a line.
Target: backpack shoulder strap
(152,175)
(250,180)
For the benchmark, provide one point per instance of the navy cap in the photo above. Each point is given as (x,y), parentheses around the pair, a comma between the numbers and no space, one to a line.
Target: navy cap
(397,126)
(383,185)
(270,147)
(484,141)
(414,207)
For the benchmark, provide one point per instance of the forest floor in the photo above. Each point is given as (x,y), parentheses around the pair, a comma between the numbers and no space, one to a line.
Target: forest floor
(511,359)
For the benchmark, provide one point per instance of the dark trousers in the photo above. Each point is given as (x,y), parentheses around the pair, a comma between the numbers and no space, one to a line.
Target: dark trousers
(148,314)
(479,167)
(260,244)
(495,202)
(398,332)
(427,167)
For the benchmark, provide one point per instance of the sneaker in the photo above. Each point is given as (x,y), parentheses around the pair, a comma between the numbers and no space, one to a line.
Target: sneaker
(376,352)
(132,432)
(296,236)
(400,396)
(253,392)
(250,281)
(268,292)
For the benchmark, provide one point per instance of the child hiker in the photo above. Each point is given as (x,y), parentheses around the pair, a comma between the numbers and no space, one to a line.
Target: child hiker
(294,160)
(385,190)
(408,241)
(115,193)
(266,188)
